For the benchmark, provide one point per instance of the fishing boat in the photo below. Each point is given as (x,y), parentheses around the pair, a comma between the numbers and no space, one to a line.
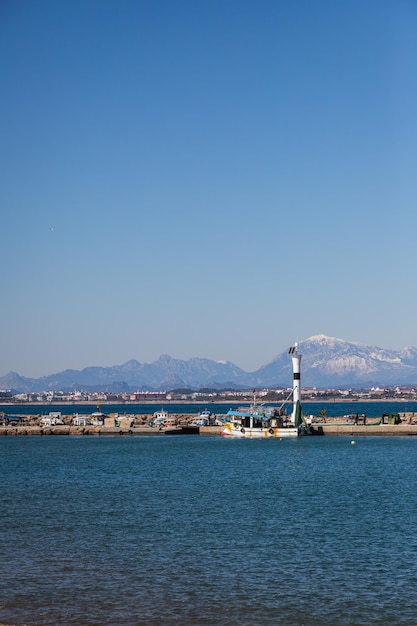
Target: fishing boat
(203,419)
(260,421)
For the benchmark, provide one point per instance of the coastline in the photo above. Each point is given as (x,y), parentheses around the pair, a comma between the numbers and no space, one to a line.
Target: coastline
(242,401)
(322,429)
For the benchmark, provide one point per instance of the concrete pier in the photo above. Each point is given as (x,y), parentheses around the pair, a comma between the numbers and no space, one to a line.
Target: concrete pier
(388,430)
(11,431)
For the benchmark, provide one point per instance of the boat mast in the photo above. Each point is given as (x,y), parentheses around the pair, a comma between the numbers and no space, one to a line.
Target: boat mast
(296,382)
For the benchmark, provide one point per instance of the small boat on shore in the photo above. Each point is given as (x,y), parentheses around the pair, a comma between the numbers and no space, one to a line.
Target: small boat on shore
(203,419)
(260,421)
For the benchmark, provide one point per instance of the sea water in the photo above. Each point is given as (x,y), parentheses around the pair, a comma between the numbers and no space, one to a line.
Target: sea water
(333,409)
(208,531)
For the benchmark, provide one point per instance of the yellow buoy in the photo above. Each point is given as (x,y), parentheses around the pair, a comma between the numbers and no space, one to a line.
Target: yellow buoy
(353,442)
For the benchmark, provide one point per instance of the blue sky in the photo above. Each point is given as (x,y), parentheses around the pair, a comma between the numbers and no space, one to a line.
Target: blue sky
(205,178)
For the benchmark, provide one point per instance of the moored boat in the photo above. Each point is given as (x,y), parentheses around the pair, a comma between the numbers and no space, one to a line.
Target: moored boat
(260,421)
(203,419)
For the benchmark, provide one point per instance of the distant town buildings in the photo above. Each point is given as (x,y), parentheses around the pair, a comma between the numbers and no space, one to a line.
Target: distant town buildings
(262,395)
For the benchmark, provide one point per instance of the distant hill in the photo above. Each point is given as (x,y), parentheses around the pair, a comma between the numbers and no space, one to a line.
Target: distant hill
(327,362)
(164,374)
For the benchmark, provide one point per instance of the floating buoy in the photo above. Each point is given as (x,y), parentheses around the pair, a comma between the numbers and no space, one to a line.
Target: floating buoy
(353,443)
(280,438)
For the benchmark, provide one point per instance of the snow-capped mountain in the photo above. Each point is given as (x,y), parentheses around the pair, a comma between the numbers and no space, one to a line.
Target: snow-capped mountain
(332,362)
(327,362)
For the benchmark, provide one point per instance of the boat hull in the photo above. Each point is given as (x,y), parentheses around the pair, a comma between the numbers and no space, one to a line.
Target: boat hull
(236,430)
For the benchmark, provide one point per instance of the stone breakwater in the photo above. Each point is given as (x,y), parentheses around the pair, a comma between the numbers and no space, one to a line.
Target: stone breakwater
(388,430)
(144,430)
(140,425)
(31,425)
(136,420)
(126,420)
(76,430)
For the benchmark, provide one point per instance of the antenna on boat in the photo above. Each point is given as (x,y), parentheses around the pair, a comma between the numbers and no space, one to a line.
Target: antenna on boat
(296,378)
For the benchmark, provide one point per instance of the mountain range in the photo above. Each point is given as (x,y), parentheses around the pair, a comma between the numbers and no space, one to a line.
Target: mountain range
(327,362)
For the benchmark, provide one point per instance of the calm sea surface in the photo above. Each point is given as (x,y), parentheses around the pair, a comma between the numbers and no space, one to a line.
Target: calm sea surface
(208,531)
(334,409)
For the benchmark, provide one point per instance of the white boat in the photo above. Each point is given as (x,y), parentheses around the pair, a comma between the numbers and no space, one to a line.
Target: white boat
(51,420)
(81,420)
(259,421)
(94,419)
(203,419)
(161,419)
(97,419)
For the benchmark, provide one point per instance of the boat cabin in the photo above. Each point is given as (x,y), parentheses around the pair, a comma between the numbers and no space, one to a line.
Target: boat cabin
(81,420)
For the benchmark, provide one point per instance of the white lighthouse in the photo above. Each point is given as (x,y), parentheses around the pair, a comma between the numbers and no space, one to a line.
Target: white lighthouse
(296,379)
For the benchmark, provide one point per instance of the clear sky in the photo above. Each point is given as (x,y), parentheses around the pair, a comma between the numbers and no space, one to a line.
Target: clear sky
(211,178)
